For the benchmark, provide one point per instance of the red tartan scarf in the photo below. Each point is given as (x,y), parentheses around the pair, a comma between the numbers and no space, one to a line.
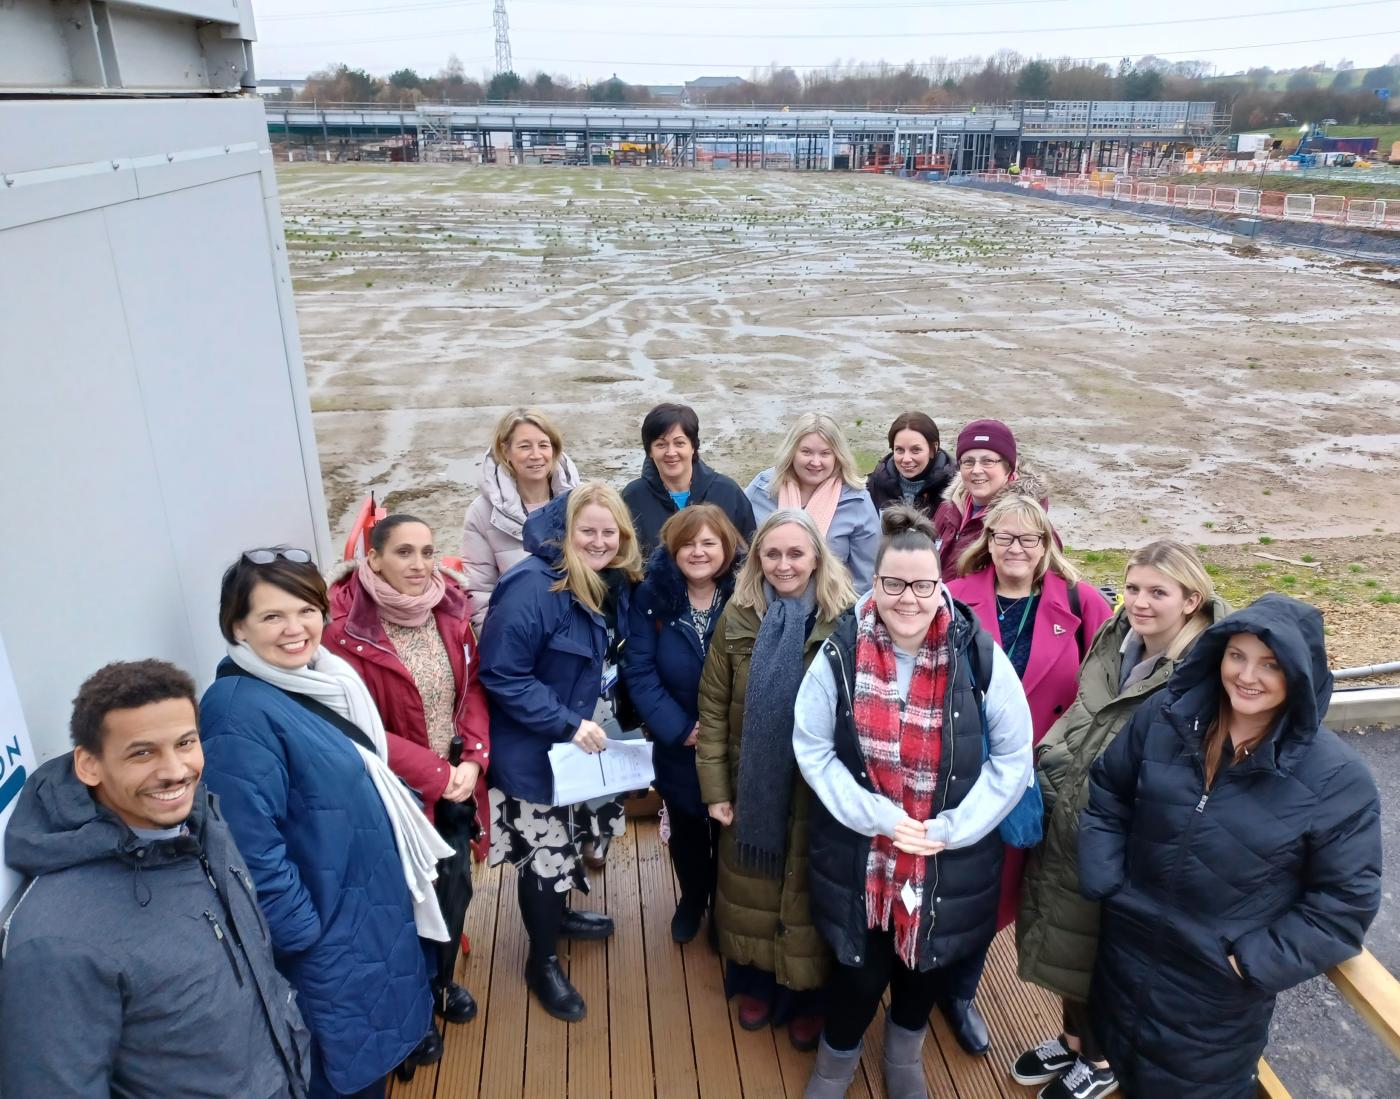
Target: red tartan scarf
(901,751)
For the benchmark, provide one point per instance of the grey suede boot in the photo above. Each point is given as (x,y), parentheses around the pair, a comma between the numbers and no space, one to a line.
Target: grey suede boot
(833,1072)
(904,1062)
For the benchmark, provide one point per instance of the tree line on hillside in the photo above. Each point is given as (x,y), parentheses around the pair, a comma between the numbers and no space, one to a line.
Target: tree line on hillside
(1259,98)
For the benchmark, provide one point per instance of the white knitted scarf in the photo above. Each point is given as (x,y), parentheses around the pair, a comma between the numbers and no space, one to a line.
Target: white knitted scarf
(332,682)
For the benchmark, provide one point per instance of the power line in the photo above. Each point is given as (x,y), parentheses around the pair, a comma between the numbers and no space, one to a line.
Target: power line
(501,22)
(620,33)
(263,46)
(1115,55)
(874,5)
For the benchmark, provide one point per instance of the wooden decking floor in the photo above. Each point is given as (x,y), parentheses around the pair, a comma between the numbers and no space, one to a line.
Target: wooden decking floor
(658,1024)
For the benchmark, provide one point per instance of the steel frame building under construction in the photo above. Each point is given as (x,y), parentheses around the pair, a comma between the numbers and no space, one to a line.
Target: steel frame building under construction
(1058,135)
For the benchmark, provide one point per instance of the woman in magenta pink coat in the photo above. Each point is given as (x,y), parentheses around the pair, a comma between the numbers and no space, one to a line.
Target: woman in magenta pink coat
(1030,599)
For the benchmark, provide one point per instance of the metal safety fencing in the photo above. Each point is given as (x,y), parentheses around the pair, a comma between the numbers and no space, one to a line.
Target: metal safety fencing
(1249,202)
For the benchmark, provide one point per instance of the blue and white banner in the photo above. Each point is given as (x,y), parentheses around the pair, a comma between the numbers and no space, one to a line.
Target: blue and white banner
(17,763)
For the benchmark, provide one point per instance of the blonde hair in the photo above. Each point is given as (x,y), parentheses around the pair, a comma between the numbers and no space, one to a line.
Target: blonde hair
(832,579)
(1180,564)
(579,579)
(505,428)
(1029,511)
(814,423)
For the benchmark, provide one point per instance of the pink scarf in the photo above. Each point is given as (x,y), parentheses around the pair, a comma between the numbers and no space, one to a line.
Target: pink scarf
(821,507)
(396,608)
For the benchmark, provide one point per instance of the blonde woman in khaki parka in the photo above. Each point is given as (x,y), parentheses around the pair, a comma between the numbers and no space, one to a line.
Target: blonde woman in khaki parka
(789,593)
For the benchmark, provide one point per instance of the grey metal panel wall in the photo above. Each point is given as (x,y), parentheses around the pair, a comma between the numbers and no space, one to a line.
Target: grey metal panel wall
(156,420)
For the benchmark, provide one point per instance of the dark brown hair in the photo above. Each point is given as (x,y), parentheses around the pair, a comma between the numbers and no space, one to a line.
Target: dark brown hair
(684,525)
(379,533)
(915,421)
(661,419)
(905,528)
(125,685)
(301,579)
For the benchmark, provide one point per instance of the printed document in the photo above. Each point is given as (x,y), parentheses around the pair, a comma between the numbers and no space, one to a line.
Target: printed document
(622,766)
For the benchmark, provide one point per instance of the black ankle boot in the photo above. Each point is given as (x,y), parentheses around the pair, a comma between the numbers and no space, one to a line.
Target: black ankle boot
(426,1052)
(685,924)
(967,1025)
(578,924)
(454,1003)
(556,995)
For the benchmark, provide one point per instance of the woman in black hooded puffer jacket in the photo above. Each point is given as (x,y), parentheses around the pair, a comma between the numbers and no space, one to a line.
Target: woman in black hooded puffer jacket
(1235,844)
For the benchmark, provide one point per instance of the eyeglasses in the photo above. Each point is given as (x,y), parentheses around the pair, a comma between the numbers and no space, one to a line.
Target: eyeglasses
(267,556)
(980,463)
(1028,541)
(893,585)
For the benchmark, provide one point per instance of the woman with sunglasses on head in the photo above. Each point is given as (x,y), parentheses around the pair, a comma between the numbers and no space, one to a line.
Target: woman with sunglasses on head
(403,622)
(675,611)
(987,466)
(525,469)
(910,782)
(790,591)
(816,473)
(1235,843)
(1168,602)
(340,854)
(549,657)
(1030,599)
(916,471)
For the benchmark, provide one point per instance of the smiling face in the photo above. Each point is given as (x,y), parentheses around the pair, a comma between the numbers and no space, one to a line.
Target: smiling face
(702,557)
(1157,606)
(911,453)
(1252,678)
(150,763)
(815,461)
(674,456)
(530,455)
(788,559)
(408,559)
(1016,564)
(280,627)
(907,615)
(984,472)
(596,536)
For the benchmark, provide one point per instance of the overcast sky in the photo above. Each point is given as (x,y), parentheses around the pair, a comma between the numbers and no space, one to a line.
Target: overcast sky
(669,41)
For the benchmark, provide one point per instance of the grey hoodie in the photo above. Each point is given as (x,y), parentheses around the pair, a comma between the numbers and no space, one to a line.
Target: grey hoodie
(137,970)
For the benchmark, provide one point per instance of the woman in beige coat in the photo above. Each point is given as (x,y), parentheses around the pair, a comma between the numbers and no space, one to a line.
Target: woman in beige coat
(525,469)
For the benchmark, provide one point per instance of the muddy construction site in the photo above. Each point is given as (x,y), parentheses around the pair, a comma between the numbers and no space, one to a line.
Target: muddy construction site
(1162,383)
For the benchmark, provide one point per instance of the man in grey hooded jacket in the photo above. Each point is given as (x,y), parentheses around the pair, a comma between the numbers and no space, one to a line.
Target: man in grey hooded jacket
(136,963)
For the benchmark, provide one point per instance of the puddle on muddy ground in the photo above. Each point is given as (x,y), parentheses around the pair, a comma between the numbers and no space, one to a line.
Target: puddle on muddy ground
(1164,385)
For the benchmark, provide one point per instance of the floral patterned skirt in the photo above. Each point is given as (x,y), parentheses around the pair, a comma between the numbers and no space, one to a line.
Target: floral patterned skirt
(547,840)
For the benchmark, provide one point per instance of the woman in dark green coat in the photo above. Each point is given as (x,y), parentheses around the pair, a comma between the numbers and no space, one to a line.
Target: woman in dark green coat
(1168,602)
(789,593)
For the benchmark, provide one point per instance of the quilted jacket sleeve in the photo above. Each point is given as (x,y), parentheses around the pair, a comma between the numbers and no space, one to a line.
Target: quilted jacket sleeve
(1341,889)
(712,742)
(1105,823)
(478,561)
(252,784)
(663,715)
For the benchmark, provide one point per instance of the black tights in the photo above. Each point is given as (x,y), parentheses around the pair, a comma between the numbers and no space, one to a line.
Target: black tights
(1079,1023)
(542,910)
(854,991)
(693,845)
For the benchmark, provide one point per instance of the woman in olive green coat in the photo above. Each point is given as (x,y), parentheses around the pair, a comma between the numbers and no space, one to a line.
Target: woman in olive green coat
(789,593)
(1168,602)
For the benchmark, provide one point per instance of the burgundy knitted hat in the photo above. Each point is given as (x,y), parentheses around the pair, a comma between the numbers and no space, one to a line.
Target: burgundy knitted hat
(990,435)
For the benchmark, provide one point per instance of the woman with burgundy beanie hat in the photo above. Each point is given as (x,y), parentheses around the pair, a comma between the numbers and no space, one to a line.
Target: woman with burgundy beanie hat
(987,464)
(403,622)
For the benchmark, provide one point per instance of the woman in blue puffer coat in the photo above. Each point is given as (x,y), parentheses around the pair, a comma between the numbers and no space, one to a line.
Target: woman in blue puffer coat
(1235,844)
(549,658)
(689,579)
(295,750)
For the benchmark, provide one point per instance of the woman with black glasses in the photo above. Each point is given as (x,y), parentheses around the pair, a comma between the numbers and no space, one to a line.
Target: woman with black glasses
(911,782)
(340,854)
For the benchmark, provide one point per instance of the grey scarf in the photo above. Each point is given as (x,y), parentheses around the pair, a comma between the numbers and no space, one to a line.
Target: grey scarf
(767,769)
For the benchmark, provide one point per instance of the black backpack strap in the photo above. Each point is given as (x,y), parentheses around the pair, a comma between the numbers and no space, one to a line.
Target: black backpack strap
(320,709)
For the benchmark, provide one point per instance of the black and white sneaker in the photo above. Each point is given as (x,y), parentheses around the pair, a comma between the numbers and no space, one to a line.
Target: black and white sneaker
(1044,1063)
(1082,1081)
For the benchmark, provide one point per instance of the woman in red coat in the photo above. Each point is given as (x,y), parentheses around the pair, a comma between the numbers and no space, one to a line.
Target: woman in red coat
(1030,599)
(404,624)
